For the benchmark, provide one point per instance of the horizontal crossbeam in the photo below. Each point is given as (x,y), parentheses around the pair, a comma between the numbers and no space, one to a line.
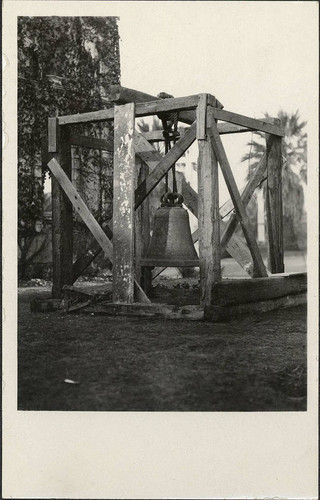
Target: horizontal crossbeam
(237,291)
(250,123)
(153,107)
(142,109)
(122,95)
(152,136)
(224,128)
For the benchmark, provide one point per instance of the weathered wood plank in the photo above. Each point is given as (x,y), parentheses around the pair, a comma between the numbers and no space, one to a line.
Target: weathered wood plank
(87,218)
(231,128)
(52,134)
(122,95)
(175,296)
(85,141)
(224,128)
(142,232)
(246,196)
(164,311)
(124,173)
(62,218)
(81,208)
(240,291)
(164,105)
(165,164)
(201,117)
(85,259)
(274,204)
(151,136)
(252,123)
(45,155)
(146,152)
(240,252)
(208,216)
(237,202)
(142,109)
(138,231)
(216,313)
(91,116)
(228,207)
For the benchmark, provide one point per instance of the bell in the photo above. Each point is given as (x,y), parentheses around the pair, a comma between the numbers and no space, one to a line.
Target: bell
(171,243)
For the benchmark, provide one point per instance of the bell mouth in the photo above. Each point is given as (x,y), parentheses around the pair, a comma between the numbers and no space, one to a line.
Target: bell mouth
(176,262)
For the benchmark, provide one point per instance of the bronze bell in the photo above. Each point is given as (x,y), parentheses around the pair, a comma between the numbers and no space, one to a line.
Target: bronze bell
(171,243)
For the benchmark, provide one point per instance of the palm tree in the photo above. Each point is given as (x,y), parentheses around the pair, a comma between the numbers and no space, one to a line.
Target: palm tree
(294,171)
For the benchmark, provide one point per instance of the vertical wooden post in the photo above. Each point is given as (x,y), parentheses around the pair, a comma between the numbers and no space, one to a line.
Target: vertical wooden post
(142,232)
(123,204)
(208,215)
(62,211)
(274,203)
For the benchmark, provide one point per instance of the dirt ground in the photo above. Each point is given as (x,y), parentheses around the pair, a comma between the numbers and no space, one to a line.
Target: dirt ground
(255,363)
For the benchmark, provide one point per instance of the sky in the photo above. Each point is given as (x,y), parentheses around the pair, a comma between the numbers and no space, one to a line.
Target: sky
(255,57)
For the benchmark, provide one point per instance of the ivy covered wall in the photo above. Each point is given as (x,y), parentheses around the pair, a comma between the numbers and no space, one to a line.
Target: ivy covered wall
(65,65)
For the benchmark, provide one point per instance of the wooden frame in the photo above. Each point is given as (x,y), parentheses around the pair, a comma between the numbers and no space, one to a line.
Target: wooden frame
(135,180)
(62,214)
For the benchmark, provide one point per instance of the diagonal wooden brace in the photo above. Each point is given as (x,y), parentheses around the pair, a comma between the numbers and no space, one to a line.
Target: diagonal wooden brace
(164,165)
(237,202)
(253,183)
(87,217)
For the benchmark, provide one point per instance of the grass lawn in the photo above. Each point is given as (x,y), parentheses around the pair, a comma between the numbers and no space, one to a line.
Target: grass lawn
(255,363)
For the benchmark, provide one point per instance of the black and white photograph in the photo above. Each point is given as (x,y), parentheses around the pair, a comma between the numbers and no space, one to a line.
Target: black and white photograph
(165,224)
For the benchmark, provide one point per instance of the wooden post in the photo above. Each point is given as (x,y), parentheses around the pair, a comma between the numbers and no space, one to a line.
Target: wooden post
(62,212)
(123,204)
(274,203)
(142,232)
(209,217)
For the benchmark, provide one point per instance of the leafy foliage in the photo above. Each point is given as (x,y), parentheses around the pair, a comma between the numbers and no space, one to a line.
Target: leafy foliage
(65,65)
